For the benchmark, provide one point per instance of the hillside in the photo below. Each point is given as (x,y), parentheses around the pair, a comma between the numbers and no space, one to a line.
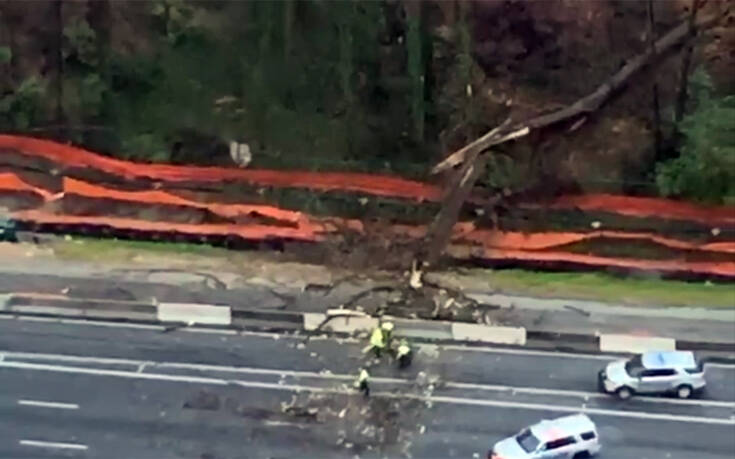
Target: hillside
(388,86)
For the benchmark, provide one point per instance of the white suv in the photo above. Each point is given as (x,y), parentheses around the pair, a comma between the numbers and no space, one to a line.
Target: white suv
(567,437)
(676,372)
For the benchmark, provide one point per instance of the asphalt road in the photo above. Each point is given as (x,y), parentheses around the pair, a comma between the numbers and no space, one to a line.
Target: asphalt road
(97,391)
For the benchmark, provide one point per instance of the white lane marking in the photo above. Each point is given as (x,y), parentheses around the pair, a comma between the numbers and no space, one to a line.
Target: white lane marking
(502,350)
(724,366)
(553,354)
(50,444)
(142,365)
(586,395)
(96,323)
(6,317)
(214,331)
(42,404)
(117,373)
(283,424)
(432,398)
(102,323)
(37,319)
(70,358)
(564,409)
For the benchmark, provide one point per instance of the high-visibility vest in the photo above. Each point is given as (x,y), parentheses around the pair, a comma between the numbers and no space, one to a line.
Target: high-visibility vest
(363,376)
(376,339)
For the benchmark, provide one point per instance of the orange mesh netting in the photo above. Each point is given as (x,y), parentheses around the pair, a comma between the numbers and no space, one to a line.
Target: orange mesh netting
(462,232)
(380,185)
(252,232)
(726,269)
(647,207)
(544,241)
(11,182)
(78,187)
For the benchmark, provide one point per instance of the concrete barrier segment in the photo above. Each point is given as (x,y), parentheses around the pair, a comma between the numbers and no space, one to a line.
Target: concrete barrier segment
(190,313)
(635,344)
(487,334)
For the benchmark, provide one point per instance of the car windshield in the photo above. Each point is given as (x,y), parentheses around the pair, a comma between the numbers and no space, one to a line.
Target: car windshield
(527,441)
(634,366)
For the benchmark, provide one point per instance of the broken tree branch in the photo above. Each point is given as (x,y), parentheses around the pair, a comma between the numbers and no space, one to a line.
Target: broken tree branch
(584,106)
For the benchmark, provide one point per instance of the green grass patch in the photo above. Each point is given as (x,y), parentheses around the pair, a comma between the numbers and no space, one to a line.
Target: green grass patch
(608,288)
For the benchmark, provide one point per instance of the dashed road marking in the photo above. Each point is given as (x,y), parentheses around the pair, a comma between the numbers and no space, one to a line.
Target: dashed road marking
(51,444)
(42,404)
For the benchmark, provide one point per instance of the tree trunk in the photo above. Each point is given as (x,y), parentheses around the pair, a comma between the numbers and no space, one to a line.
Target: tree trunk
(657,135)
(440,231)
(415,66)
(288,18)
(60,118)
(686,63)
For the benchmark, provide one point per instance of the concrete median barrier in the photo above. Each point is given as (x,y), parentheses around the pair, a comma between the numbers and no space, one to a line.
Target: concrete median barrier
(63,306)
(350,324)
(635,344)
(312,320)
(189,313)
(487,334)
(422,329)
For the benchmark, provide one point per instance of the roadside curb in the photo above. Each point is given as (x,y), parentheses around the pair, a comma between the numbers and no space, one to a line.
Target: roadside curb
(343,322)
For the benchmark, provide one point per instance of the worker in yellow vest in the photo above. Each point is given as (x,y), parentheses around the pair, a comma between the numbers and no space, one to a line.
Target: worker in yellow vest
(377,342)
(404,354)
(362,382)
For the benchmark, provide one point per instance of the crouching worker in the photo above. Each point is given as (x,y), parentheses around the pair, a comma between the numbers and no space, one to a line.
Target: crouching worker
(404,354)
(362,382)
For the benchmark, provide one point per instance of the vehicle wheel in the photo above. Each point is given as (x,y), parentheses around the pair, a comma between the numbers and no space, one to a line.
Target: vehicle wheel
(583,454)
(624,393)
(684,391)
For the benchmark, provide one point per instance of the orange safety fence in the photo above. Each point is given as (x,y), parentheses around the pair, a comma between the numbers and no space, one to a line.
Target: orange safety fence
(543,241)
(13,183)
(465,231)
(645,207)
(80,188)
(251,232)
(375,184)
(304,222)
(725,269)
(380,185)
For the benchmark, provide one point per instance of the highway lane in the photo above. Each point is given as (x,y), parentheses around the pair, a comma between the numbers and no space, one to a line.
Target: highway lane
(119,412)
(128,417)
(495,366)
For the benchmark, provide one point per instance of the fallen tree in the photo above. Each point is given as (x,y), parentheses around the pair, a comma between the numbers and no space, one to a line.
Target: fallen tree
(471,158)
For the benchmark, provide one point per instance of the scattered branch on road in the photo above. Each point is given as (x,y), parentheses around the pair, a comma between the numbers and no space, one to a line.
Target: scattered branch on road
(327,289)
(287,300)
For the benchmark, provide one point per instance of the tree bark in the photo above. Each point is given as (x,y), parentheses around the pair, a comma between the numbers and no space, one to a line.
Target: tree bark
(60,118)
(686,63)
(657,135)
